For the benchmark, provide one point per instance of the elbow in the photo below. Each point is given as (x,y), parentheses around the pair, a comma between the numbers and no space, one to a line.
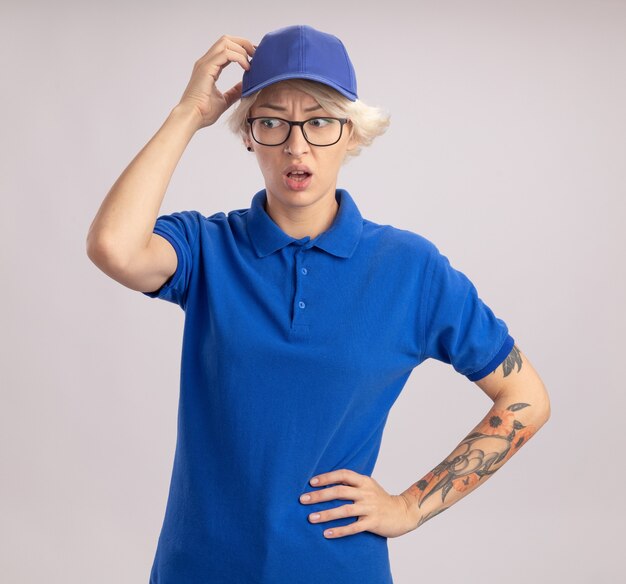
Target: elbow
(535,395)
(96,251)
(548,410)
(541,401)
(547,413)
(102,254)
(93,250)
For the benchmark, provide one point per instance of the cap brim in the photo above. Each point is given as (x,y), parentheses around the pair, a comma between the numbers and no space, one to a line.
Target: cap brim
(349,94)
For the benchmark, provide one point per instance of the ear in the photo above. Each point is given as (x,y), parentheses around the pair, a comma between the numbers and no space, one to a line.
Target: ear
(247,139)
(353,141)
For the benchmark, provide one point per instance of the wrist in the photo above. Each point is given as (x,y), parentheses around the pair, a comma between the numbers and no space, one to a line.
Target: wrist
(413,512)
(188,115)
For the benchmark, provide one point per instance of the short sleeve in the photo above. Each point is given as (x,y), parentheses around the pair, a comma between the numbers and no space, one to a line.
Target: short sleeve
(459,328)
(181,230)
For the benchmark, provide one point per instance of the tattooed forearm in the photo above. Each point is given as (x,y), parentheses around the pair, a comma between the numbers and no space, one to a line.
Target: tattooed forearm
(479,455)
(424,518)
(514,358)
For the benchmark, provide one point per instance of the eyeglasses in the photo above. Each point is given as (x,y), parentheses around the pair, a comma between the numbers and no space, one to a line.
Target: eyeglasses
(316,131)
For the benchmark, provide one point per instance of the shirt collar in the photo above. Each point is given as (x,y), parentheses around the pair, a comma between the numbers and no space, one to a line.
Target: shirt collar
(340,239)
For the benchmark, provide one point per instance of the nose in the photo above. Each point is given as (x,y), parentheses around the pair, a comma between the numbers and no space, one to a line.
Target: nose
(296,142)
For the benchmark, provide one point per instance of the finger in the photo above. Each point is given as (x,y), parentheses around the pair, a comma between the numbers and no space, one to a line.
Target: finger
(342,475)
(241,58)
(215,55)
(230,53)
(245,43)
(339,492)
(353,510)
(233,94)
(223,59)
(233,46)
(351,529)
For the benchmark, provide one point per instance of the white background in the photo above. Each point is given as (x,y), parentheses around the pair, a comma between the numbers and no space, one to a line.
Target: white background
(506,149)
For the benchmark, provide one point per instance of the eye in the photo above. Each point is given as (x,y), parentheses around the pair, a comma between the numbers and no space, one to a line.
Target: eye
(270,123)
(320,122)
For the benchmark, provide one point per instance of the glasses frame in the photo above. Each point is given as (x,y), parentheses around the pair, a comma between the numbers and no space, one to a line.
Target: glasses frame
(342,121)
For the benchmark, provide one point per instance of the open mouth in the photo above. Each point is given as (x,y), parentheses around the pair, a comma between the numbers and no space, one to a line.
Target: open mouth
(298,176)
(298,180)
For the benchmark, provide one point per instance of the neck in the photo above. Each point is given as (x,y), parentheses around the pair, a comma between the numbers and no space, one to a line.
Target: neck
(300,221)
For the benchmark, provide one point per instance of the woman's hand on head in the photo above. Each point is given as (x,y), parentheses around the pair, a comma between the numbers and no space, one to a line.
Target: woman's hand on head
(201,92)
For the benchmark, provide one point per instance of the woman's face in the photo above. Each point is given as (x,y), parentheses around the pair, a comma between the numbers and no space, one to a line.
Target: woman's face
(323,162)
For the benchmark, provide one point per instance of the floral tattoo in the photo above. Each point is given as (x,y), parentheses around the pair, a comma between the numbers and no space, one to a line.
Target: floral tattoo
(480,454)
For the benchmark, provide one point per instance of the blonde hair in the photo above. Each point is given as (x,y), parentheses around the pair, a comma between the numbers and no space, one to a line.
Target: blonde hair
(367,121)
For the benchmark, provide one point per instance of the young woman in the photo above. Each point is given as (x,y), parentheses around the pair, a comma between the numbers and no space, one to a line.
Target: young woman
(303,321)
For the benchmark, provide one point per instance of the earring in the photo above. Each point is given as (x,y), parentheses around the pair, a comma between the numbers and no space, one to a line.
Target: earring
(249,148)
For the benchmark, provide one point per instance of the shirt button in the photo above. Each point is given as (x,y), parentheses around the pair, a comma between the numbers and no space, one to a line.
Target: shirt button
(301,304)
(304,271)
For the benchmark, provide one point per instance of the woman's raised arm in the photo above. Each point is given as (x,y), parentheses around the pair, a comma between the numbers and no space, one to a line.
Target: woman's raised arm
(120,240)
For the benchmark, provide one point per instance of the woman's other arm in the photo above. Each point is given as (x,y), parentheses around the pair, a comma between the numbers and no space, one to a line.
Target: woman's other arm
(521,406)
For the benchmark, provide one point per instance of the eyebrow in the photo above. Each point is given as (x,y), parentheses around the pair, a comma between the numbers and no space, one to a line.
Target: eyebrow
(282,109)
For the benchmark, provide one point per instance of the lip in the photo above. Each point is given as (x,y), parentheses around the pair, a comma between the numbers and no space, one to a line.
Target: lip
(294,167)
(297,185)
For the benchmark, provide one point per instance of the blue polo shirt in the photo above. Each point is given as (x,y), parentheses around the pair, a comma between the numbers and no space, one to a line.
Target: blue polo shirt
(293,353)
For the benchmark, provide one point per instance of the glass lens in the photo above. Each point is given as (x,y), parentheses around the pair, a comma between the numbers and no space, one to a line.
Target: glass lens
(322,131)
(270,131)
(318,131)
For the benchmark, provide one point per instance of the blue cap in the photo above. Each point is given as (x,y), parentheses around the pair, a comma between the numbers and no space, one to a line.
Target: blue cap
(300,52)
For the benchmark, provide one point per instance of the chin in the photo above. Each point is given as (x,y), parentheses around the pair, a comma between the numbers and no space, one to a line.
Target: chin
(298,198)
